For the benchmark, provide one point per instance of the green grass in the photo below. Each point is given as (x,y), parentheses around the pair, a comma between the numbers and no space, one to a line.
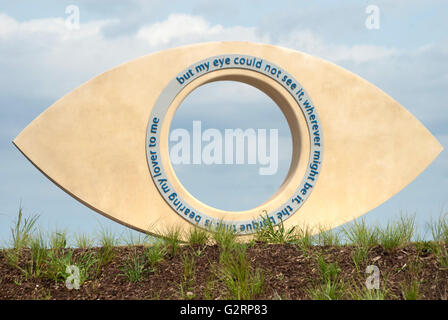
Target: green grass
(58,240)
(304,239)
(22,230)
(438,248)
(426,247)
(270,233)
(133,238)
(57,264)
(396,234)
(328,271)
(439,228)
(209,292)
(363,293)
(358,233)
(359,257)
(240,279)
(86,263)
(224,237)
(411,290)
(186,287)
(38,255)
(234,270)
(327,291)
(47,256)
(328,237)
(411,285)
(107,238)
(172,238)
(198,236)
(442,256)
(330,286)
(58,260)
(12,257)
(439,231)
(134,267)
(106,254)
(84,241)
(155,254)
(392,236)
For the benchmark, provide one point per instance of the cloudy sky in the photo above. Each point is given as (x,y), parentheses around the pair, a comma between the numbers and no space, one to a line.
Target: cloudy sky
(42,58)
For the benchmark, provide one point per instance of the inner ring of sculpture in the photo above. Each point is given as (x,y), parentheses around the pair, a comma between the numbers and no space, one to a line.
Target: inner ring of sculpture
(299,181)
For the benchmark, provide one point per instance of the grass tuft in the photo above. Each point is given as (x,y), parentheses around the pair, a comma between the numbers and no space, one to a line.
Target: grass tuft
(359,257)
(172,238)
(270,233)
(439,228)
(58,240)
(107,238)
(38,255)
(411,290)
(155,254)
(304,239)
(224,237)
(198,236)
(365,293)
(330,286)
(359,234)
(106,253)
(57,264)
(22,230)
(83,241)
(134,267)
(187,285)
(328,237)
(134,238)
(241,281)
(396,234)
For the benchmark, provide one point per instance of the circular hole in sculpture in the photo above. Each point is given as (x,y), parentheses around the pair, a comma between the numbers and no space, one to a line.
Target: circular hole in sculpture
(230,145)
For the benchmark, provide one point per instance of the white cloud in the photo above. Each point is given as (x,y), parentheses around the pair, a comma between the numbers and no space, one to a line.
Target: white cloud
(45,59)
(7,24)
(55,27)
(306,41)
(176,28)
(184,28)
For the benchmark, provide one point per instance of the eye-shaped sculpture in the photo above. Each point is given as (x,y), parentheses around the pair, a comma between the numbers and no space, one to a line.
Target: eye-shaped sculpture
(106,142)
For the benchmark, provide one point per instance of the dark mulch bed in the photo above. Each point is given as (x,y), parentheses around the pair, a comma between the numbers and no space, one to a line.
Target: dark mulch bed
(289,273)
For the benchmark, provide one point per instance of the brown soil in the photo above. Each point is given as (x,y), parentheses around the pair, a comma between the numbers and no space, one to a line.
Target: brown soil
(289,273)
